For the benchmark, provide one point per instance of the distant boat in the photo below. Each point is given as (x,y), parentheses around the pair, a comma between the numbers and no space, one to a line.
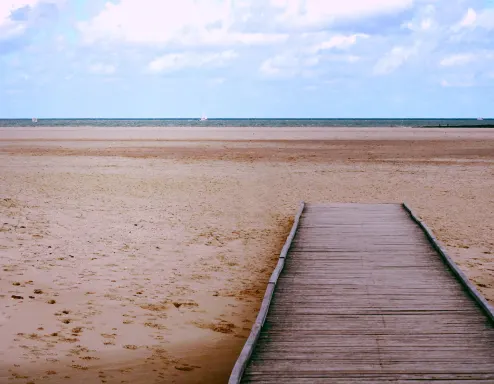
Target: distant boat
(204,117)
(480,118)
(34,120)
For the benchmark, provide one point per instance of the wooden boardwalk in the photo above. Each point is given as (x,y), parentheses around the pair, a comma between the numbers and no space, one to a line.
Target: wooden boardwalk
(363,297)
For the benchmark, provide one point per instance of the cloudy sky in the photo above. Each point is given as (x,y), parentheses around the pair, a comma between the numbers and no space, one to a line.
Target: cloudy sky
(246,58)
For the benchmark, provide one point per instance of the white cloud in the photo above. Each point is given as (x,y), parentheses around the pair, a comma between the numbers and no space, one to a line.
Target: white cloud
(9,6)
(223,22)
(339,42)
(467,58)
(352,58)
(394,59)
(472,19)
(9,27)
(426,24)
(216,81)
(177,61)
(458,59)
(469,19)
(184,22)
(318,12)
(423,21)
(289,65)
(485,19)
(102,69)
(423,25)
(464,83)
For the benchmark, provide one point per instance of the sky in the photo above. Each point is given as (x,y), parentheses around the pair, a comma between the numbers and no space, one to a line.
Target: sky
(247,58)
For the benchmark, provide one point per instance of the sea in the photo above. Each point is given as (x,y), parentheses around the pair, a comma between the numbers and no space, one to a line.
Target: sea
(273,123)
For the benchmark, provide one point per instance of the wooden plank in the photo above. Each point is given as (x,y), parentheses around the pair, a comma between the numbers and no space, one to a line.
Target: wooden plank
(361,295)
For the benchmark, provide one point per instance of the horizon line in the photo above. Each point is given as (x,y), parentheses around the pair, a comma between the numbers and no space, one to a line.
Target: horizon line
(248,118)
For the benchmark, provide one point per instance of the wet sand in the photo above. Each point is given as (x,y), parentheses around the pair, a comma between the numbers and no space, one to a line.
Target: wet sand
(142,256)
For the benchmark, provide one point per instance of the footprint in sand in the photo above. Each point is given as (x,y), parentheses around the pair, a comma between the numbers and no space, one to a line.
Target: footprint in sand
(185,304)
(220,326)
(186,367)
(131,347)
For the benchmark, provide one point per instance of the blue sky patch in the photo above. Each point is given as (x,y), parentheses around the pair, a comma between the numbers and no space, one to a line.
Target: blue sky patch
(269,58)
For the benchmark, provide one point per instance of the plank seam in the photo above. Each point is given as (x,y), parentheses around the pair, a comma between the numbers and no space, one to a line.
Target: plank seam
(246,353)
(469,287)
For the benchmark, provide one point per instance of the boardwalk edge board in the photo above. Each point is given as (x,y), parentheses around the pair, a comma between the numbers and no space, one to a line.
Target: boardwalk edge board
(250,344)
(429,248)
(470,288)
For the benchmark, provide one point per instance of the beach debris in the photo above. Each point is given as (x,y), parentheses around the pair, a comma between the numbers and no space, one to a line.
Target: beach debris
(223,327)
(155,307)
(32,297)
(132,347)
(154,325)
(38,291)
(17,297)
(16,283)
(185,304)
(108,335)
(51,301)
(89,358)
(18,376)
(78,366)
(185,368)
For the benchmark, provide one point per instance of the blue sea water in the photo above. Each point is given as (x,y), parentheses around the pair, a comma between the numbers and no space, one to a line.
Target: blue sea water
(247,123)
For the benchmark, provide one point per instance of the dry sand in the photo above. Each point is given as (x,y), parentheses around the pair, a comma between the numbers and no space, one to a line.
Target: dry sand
(136,260)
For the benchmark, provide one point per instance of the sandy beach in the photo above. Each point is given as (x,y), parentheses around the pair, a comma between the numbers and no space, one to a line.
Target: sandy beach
(142,255)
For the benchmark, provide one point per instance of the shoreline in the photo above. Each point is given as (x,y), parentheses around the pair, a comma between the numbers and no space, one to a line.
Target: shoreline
(238,133)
